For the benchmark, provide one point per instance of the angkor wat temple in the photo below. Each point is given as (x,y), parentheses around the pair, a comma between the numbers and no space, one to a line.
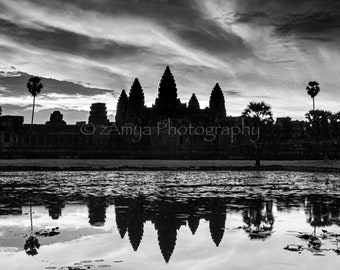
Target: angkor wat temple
(169,129)
(131,109)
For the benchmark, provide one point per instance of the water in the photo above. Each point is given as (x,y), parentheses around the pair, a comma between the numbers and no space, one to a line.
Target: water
(169,220)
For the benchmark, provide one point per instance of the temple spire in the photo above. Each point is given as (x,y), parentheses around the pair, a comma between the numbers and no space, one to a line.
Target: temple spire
(193,105)
(167,101)
(217,102)
(122,108)
(136,99)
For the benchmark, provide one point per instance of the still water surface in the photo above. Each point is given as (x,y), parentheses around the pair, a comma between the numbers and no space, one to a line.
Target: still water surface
(169,220)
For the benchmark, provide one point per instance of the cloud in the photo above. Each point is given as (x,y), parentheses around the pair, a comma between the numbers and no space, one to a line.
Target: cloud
(14,84)
(72,99)
(262,49)
(306,19)
(316,25)
(183,18)
(55,39)
(232,93)
(11,108)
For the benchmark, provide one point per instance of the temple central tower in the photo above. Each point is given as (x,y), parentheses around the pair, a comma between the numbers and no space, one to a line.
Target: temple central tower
(167,102)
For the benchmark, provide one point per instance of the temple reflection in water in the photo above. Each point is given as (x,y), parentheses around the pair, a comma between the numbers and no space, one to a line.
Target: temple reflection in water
(254,200)
(168,216)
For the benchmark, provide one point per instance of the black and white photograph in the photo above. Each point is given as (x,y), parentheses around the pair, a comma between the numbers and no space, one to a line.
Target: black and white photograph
(169,134)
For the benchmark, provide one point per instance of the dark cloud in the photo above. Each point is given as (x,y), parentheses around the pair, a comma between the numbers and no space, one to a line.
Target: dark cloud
(205,35)
(15,84)
(284,61)
(319,38)
(306,19)
(257,16)
(317,24)
(58,40)
(184,18)
(233,93)
(13,108)
(285,6)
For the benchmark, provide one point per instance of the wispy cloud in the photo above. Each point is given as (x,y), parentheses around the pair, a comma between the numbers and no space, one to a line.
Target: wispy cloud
(90,49)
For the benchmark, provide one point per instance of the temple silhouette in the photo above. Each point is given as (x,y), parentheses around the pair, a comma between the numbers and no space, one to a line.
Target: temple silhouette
(169,129)
(132,109)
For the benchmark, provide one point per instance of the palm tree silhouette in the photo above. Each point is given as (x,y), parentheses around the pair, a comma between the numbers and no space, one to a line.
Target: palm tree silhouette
(313,90)
(32,243)
(259,111)
(260,115)
(31,246)
(34,86)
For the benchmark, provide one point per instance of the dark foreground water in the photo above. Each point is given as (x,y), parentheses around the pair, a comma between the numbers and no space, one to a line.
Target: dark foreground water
(169,220)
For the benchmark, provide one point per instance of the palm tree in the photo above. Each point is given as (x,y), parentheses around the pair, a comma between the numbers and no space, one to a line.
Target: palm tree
(34,86)
(313,90)
(260,115)
(32,244)
(259,111)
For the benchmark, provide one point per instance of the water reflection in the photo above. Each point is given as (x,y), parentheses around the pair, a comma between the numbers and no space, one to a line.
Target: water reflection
(257,203)
(169,215)
(259,219)
(97,211)
(32,243)
(323,211)
(54,204)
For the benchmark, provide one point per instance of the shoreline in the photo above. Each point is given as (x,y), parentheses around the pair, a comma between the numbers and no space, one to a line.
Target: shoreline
(10,165)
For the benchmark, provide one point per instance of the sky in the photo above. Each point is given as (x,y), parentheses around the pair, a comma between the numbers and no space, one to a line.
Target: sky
(88,51)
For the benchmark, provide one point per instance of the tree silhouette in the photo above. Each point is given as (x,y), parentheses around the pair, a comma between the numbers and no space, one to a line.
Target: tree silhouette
(166,102)
(313,90)
(217,102)
(32,244)
(319,128)
(335,127)
(320,212)
(136,99)
(34,86)
(259,219)
(122,108)
(0,110)
(259,111)
(193,105)
(260,115)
